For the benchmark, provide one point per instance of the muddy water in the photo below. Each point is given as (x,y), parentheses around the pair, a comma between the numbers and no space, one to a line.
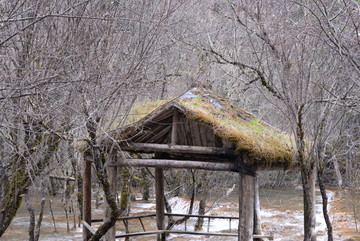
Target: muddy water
(281,214)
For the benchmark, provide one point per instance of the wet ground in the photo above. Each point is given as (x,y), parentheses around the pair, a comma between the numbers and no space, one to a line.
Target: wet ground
(281,214)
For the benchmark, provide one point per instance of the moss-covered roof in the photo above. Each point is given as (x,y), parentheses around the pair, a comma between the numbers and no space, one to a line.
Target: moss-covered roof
(265,145)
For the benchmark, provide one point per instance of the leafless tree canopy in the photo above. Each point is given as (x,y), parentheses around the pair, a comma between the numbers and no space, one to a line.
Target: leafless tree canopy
(71,70)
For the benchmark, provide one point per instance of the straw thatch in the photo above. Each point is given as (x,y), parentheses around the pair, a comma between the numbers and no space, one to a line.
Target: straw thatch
(265,145)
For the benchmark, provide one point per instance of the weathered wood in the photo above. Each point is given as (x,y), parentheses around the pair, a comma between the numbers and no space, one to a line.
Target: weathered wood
(161,136)
(148,147)
(200,216)
(87,198)
(246,207)
(270,237)
(163,163)
(195,133)
(183,138)
(112,171)
(89,228)
(174,129)
(257,217)
(160,201)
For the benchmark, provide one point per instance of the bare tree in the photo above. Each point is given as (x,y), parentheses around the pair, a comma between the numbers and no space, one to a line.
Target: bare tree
(280,54)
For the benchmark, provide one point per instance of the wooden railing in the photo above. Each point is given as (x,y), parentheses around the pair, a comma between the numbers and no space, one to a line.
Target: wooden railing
(156,232)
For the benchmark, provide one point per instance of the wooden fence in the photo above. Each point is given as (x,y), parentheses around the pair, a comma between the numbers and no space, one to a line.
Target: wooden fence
(158,232)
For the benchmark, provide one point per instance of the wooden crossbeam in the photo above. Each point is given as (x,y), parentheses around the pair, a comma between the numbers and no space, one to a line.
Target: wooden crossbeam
(188,164)
(269,237)
(149,147)
(92,231)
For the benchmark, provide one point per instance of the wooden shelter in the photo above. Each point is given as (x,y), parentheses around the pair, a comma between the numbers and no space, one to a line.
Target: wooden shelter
(200,130)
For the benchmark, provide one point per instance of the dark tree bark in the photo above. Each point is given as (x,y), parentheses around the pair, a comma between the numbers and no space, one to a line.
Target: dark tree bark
(200,221)
(99,159)
(30,209)
(325,203)
(20,179)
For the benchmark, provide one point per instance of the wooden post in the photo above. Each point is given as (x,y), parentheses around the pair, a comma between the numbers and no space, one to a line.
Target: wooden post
(257,217)
(160,201)
(112,171)
(246,207)
(86,197)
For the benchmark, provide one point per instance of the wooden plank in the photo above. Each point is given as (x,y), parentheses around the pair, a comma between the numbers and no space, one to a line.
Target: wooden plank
(187,232)
(88,227)
(182,140)
(174,128)
(138,234)
(195,133)
(163,163)
(246,207)
(189,133)
(150,132)
(160,201)
(137,216)
(209,135)
(150,147)
(200,216)
(161,136)
(86,198)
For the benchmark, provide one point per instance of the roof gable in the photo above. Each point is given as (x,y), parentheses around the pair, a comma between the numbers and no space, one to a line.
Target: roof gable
(265,145)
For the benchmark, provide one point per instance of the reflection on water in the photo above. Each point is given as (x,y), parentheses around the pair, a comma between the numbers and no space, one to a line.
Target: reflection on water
(281,214)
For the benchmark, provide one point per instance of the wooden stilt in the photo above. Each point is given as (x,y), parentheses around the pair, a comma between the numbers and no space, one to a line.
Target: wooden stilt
(87,197)
(160,202)
(257,218)
(246,207)
(112,172)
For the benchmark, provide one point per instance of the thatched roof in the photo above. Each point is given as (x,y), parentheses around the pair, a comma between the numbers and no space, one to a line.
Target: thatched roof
(265,145)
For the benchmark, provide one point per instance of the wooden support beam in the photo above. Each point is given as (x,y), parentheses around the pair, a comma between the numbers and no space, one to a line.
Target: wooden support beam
(257,216)
(87,198)
(164,163)
(148,147)
(246,207)
(160,202)
(91,230)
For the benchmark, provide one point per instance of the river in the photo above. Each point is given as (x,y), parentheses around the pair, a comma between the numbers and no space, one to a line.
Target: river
(281,214)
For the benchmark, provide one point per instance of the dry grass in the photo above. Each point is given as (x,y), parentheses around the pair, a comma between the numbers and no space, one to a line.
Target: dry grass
(265,145)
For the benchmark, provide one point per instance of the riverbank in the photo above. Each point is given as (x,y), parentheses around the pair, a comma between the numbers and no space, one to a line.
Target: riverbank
(345,214)
(281,214)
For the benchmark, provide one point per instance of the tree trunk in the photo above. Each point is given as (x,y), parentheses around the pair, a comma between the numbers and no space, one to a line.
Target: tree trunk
(325,204)
(39,221)
(338,173)
(30,209)
(110,235)
(200,220)
(145,184)
(349,166)
(86,197)
(308,181)
(99,159)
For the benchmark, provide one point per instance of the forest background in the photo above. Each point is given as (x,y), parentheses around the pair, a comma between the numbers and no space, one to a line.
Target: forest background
(71,70)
